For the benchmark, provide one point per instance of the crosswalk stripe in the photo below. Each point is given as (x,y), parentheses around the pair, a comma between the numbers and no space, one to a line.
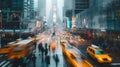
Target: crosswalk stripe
(6,64)
(2,63)
(115,63)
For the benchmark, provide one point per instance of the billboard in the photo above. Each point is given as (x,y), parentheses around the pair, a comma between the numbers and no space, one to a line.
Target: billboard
(69,23)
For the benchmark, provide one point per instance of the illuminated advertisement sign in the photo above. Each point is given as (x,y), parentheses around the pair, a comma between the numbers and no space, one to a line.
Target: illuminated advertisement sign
(69,24)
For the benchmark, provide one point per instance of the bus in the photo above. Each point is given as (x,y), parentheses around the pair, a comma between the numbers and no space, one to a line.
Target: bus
(25,48)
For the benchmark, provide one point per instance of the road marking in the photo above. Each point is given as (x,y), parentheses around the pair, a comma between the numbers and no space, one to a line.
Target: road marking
(6,64)
(2,63)
(115,63)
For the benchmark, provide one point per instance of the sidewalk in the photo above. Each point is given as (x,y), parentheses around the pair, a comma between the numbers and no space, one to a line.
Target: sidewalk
(40,63)
(60,56)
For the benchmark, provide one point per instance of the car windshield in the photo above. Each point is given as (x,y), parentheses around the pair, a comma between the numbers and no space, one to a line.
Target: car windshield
(100,52)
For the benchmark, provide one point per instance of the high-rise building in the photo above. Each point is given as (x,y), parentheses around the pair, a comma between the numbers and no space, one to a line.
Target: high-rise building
(81,5)
(68,8)
(41,8)
(14,12)
(102,15)
(32,12)
(75,6)
(113,15)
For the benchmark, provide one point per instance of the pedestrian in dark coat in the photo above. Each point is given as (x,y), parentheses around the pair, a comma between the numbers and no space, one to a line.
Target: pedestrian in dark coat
(40,47)
(56,60)
(47,60)
(24,62)
(35,43)
(34,60)
(46,52)
(46,45)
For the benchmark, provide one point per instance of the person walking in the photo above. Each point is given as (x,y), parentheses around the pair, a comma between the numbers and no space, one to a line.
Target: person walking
(34,60)
(40,47)
(46,52)
(46,45)
(56,59)
(35,43)
(24,62)
(47,60)
(42,50)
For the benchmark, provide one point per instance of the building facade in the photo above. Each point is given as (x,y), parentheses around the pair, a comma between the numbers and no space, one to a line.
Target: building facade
(41,8)
(81,5)
(32,11)
(14,12)
(102,14)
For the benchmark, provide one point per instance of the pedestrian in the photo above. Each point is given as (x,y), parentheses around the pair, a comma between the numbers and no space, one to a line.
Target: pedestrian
(24,62)
(35,43)
(56,59)
(42,50)
(47,60)
(40,47)
(46,45)
(46,52)
(34,60)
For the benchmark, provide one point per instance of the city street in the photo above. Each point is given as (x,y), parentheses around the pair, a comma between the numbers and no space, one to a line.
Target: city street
(59,33)
(53,42)
(82,46)
(40,59)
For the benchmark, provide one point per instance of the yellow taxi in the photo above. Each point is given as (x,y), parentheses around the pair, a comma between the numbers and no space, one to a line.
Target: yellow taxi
(36,38)
(80,60)
(63,39)
(98,54)
(70,57)
(73,57)
(6,49)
